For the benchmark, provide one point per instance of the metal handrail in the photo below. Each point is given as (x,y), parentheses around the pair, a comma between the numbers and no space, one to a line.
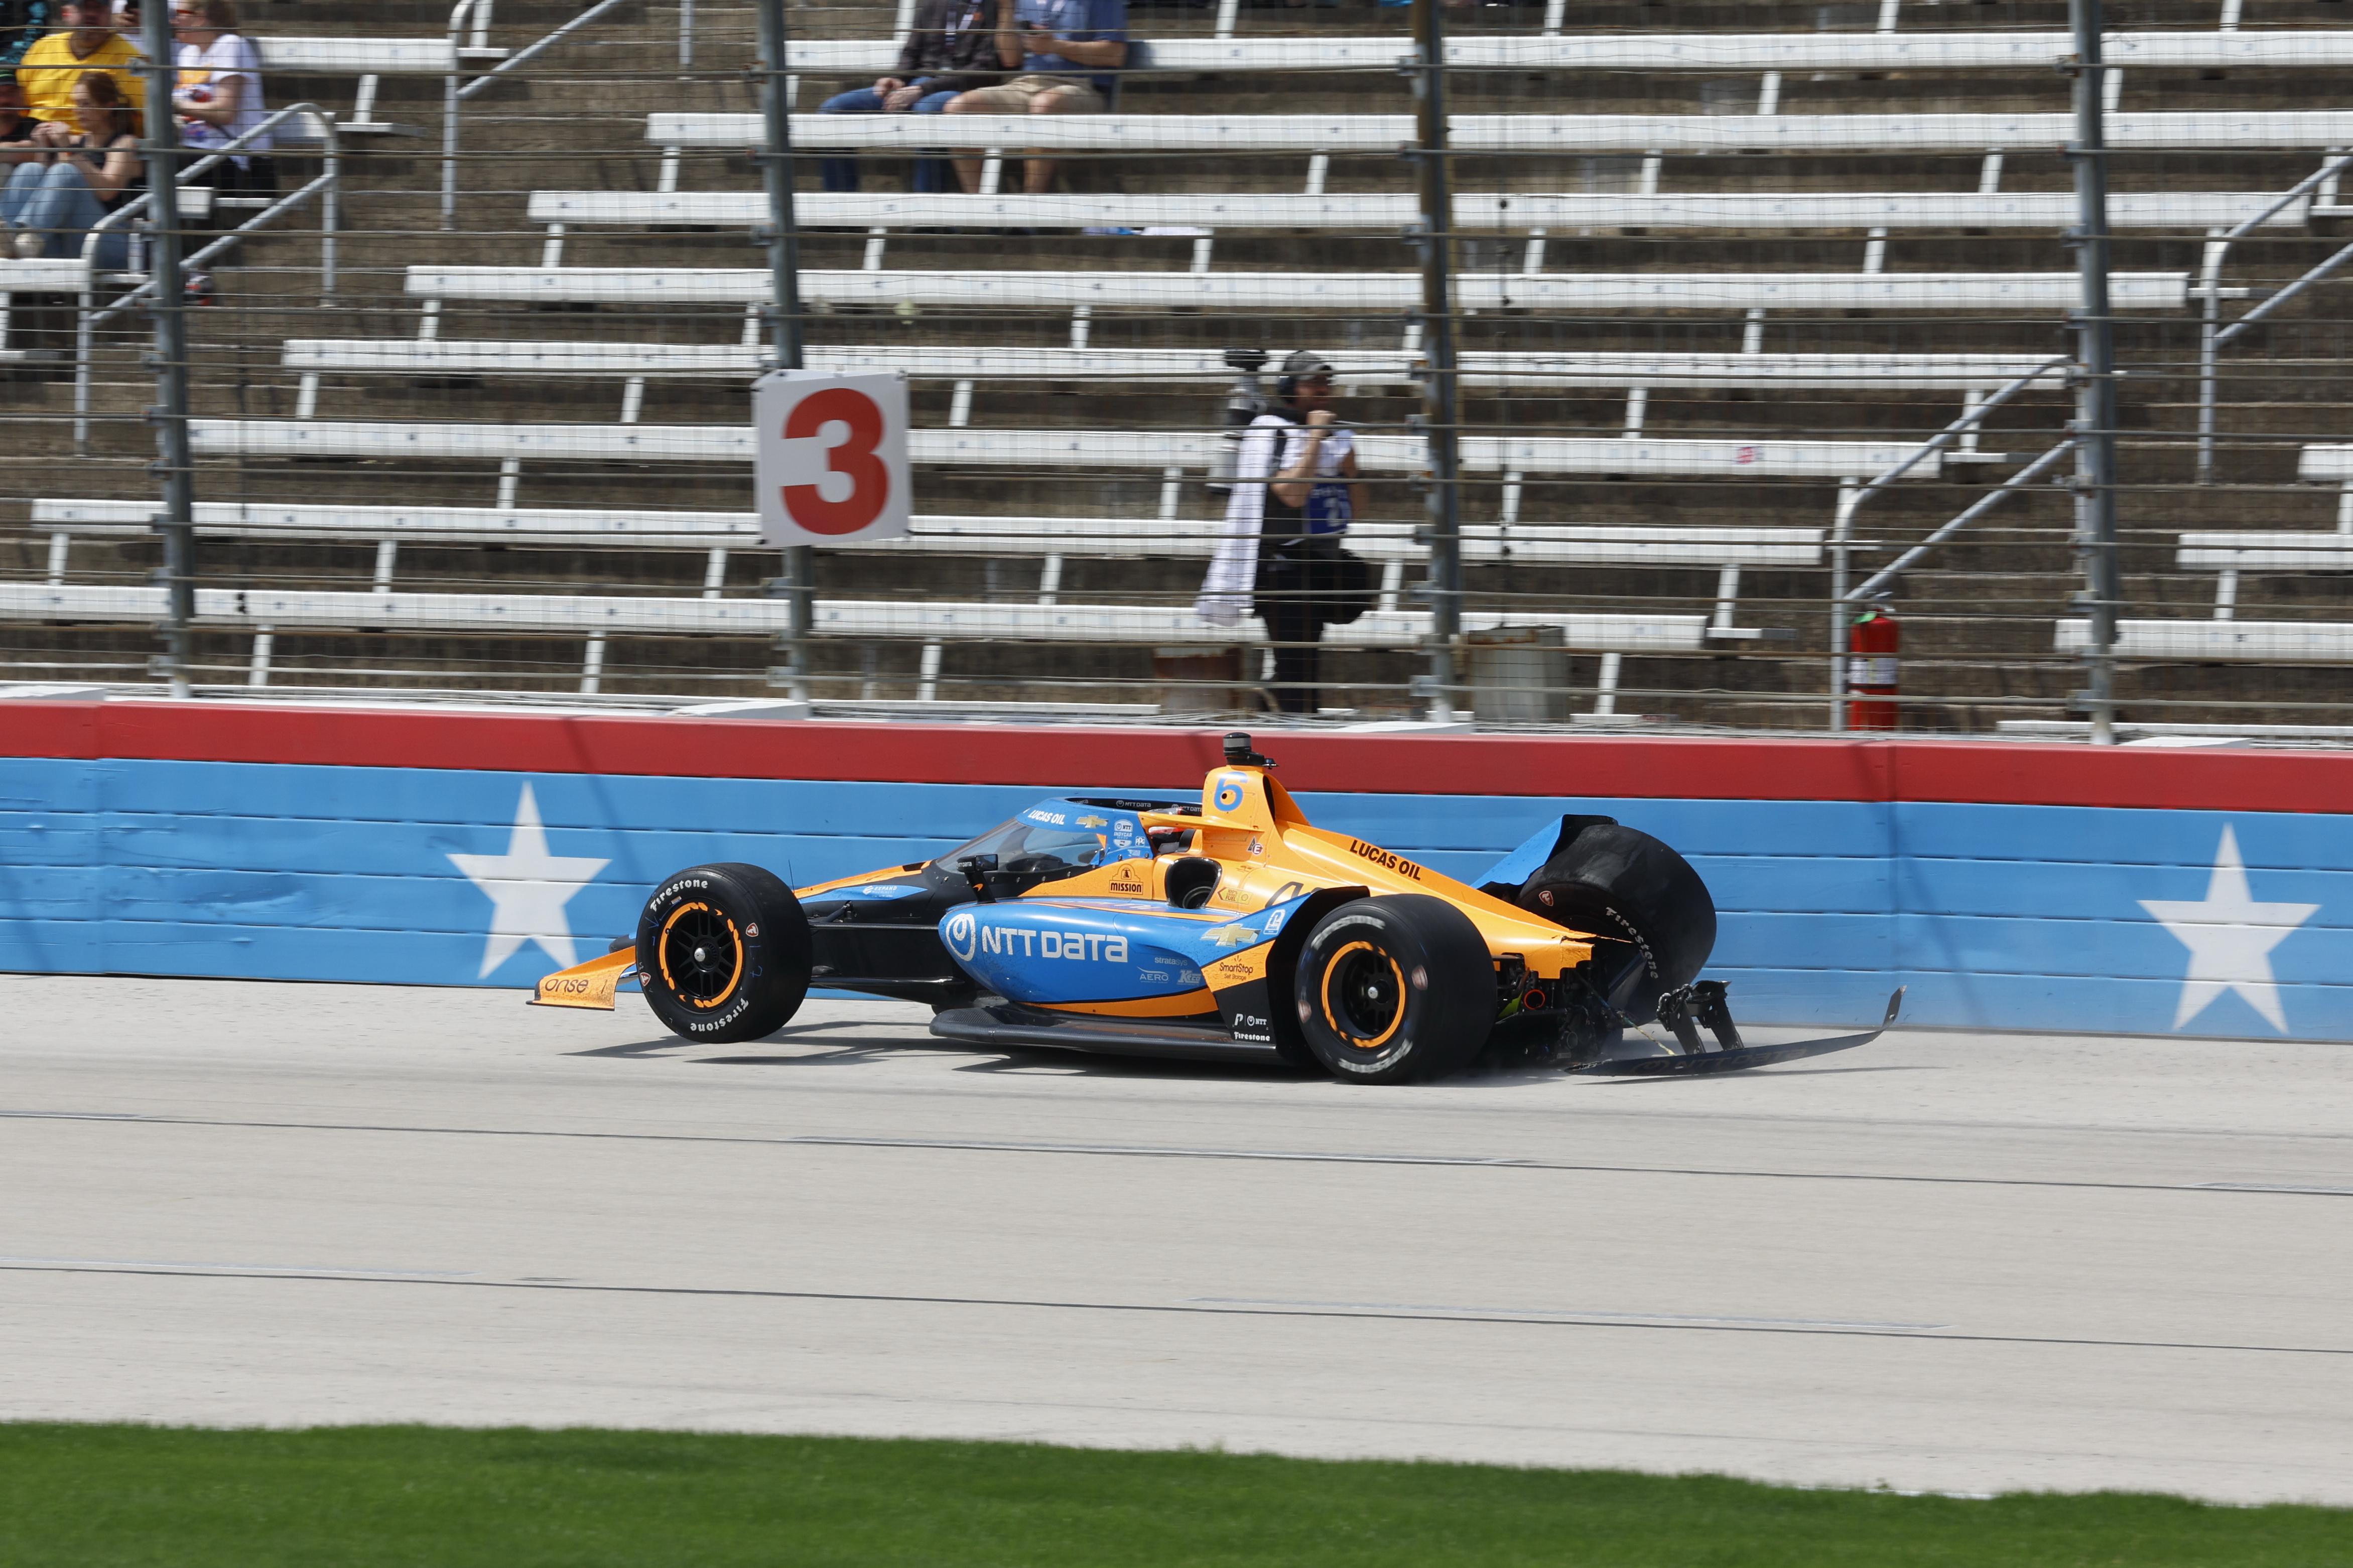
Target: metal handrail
(2211,334)
(455,90)
(89,316)
(1977,509)
(1842,547)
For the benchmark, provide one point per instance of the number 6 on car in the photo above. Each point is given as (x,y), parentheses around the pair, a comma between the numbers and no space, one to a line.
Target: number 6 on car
(832,460)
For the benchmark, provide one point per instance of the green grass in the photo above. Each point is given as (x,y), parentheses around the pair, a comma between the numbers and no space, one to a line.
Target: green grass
(96,1496)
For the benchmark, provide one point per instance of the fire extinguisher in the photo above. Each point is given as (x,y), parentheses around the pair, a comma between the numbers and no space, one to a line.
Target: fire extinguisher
(1871,679)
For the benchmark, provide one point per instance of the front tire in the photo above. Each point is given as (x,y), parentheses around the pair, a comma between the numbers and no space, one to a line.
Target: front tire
(723,952)
(1392,990)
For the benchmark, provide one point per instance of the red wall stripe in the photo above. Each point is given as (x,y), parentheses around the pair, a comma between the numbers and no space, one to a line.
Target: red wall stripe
(1057,756)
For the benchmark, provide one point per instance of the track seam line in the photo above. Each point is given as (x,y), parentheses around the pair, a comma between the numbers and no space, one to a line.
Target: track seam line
(1145,1152)
(745,1293)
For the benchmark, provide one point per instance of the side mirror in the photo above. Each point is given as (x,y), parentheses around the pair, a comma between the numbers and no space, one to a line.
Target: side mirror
(975,870)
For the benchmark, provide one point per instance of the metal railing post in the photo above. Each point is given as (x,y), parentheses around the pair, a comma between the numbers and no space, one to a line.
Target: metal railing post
(2095,377)
(1441,407)
(330,215)
(784,310)
(169,309)
(90,317)
(2210,340)
(449,86)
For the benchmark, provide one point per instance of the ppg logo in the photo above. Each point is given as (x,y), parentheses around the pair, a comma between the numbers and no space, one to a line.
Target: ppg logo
(1230,794)
(960,931)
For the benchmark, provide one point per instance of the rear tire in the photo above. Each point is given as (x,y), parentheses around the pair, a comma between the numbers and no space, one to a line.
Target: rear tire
(1621,883)
(1392,990)
(723,952)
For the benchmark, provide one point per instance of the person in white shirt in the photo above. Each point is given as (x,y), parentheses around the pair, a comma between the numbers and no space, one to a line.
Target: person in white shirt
(219,94)
(1279,556)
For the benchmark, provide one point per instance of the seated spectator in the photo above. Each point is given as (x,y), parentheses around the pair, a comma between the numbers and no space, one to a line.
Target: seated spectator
(16,123)
(950,50)
(22,21)
(1053,44)
(54,199)
(88,44)
(219,96)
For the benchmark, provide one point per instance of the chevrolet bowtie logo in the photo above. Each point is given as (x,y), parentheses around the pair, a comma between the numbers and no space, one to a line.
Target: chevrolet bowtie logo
(1233,936)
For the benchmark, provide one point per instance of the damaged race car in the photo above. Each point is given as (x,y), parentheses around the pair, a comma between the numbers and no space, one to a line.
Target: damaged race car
(1227,928)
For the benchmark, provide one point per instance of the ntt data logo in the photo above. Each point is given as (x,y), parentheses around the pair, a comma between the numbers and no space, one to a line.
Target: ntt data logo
(961,931)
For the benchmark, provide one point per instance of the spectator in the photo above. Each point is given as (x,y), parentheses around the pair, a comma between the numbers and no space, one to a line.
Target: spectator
(56,198)
(952,49)
(88,44)
(219,96)
(21,22)
(16,123)
(1051,43)
(1280,552)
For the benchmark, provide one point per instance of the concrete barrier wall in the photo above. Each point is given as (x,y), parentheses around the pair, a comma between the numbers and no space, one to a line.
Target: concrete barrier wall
(2011,886)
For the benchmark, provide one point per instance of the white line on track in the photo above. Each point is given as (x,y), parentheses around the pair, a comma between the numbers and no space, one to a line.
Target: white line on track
(1574,1314)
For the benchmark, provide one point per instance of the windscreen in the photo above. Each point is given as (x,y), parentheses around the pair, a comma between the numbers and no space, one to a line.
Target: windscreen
(1033,846)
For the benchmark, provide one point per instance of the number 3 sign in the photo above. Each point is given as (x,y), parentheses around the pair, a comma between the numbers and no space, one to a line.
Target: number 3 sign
(831,461)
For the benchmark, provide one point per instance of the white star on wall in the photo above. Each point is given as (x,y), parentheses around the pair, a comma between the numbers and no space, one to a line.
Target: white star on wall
(2229,937)
(528,889)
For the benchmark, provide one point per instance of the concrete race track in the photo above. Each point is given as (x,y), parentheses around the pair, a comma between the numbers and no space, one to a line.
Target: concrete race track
(1953,1262)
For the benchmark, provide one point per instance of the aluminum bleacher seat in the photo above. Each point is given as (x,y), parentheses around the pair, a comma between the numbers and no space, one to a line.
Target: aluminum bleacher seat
(2219,641)
(657,286)
(1689,53)
(1577,134)
(35,276)
(1723,456)
(595,618)
(2295,554)
(370,60)
(2046,211)
(442,356)
(42,276)
(1726,551)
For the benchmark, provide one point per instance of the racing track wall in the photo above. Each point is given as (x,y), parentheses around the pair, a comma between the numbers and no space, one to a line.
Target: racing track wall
(2011,886)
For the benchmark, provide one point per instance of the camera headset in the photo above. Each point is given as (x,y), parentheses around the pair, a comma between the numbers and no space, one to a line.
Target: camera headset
(1303,365)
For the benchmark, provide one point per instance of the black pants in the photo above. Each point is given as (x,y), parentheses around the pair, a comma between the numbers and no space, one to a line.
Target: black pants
(1294,629)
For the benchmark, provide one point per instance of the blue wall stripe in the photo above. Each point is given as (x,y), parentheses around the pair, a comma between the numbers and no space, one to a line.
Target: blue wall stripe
(1997,916)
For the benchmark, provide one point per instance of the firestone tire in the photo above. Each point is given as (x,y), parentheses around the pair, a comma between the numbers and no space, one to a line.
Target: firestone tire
(723,953)
(1393,989)
(1619,883)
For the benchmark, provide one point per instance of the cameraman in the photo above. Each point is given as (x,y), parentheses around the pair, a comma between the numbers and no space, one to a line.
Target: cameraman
(1282,531)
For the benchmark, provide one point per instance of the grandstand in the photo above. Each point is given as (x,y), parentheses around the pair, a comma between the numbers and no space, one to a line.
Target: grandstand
(1718,276)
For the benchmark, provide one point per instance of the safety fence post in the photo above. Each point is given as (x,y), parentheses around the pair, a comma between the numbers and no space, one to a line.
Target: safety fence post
(782,236)
(2095,427)
(168,307)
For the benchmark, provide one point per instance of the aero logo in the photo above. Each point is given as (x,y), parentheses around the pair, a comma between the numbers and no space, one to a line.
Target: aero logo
(832,457)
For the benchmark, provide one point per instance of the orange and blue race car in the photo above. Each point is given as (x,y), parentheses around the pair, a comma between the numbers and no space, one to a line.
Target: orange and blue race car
(1229,928)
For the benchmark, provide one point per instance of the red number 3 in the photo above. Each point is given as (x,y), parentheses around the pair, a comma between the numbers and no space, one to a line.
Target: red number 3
(870,477)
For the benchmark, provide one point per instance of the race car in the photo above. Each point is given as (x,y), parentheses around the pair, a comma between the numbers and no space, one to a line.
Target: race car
(1227,927)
